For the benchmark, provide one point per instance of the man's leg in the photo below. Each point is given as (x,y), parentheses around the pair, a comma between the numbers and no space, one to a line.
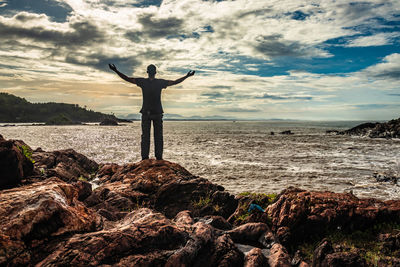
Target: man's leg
(158,135)
(145,144)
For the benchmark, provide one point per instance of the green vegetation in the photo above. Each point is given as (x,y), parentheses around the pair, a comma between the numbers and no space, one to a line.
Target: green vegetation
(81,178)
(261,199)
(27,152)
(242,214)
(61,119)
(16,109)
(202,201)
(364,242)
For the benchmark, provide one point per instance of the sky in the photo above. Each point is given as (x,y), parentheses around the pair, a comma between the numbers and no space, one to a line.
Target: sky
(254,59)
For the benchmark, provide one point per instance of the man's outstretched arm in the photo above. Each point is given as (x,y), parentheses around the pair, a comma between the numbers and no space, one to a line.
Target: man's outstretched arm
(190,73)
(120,74)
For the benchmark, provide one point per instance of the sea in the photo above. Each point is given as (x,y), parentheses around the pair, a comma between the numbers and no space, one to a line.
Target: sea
(242,156)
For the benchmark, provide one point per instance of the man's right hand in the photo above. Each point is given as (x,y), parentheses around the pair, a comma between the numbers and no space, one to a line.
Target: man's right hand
(112,67)
(190,73)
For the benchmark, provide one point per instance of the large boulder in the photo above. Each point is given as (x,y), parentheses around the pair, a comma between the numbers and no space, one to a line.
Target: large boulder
(15,163)
(35,217)
(298,214)
(67,164)
(162,185)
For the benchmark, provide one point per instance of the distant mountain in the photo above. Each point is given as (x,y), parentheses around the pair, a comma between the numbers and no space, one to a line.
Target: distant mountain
(17,109)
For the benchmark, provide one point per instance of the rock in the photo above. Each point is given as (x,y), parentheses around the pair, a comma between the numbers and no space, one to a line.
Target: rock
(162,185)
(288,132)
(390,129)
(84,189)
(109,122)
(37,214)
(249,232)
(335,132)
(386,177)
(218,222)
(278,256)
(268,239)
(391,241)
(255,258)
(143,236)
(67,164)
(226,253)
(14,164)
(320,253)
(343,259)
(297,214)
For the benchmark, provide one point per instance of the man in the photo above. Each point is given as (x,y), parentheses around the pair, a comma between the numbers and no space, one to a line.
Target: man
(152,110)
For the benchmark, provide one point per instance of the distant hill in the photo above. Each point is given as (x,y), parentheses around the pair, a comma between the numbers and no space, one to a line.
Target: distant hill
(17,109)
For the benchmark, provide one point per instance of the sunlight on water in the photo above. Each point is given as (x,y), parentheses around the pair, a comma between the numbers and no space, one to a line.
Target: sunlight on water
(241,156)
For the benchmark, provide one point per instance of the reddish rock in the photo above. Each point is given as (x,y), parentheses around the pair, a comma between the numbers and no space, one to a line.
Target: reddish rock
(255,258)
(324,248)
(298,213)
(147,238)
(278,256)
(218,222)
(226,253)
(125,242)
(84,189)
(249,232)
(343,259)
(68,165)
(14,166)
(303,264)
(32,214)
(162,185)
(391,241)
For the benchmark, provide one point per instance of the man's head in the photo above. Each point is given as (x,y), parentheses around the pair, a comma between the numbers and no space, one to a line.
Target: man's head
(151,70)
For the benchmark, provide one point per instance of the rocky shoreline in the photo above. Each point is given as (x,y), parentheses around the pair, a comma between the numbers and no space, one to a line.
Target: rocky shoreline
(390,129)
(62,209)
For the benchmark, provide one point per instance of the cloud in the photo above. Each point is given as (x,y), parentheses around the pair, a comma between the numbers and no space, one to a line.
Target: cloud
(376,106)
(234,46)
(277,97)
(374,40)
(101,61)
(275,45)
(239,110)
(77,34)
(388,69)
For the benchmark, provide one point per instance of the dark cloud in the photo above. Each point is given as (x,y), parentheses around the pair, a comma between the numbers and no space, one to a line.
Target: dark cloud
(276,97)
(213,95)
(394,94)
(100,61)
(221,87)
(388,73)
(81,33)
(156,28)
(274,45)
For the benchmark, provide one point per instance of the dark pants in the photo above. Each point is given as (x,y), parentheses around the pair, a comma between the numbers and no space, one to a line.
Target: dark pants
(158,135)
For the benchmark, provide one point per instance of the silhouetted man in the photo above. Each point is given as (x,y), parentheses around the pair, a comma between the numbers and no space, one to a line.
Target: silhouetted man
(151,108)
